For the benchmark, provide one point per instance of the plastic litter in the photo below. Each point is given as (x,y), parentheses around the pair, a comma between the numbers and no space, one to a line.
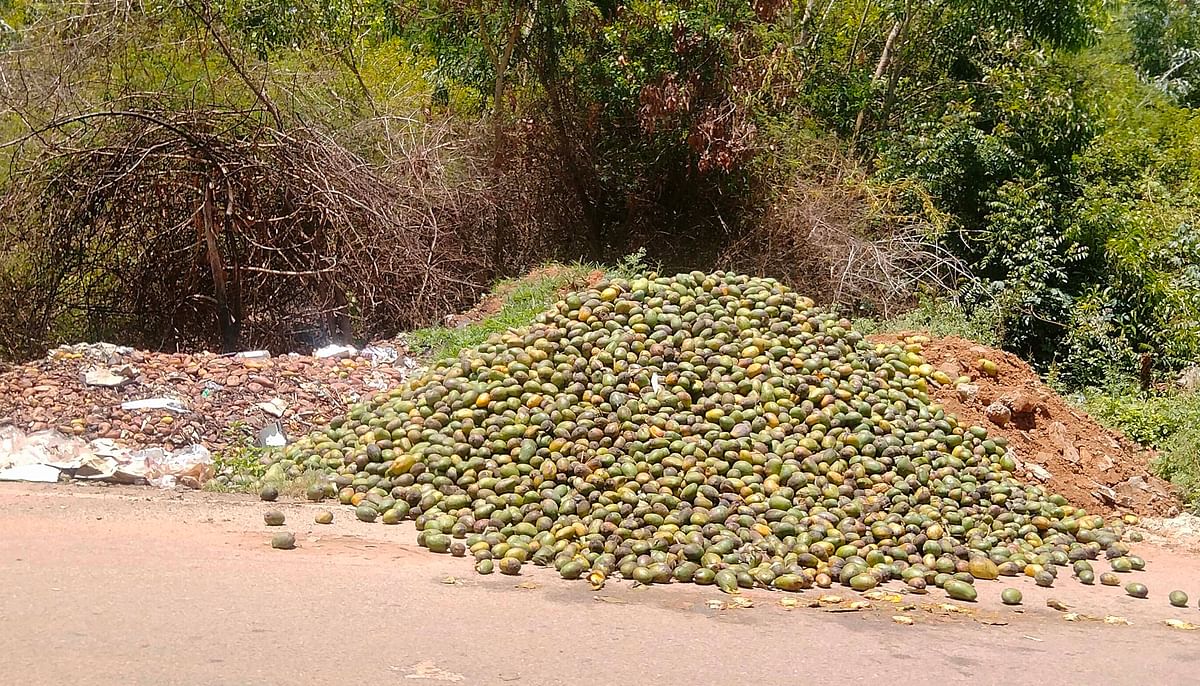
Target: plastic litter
(379,354)
(335,352)
(253,355)
(156,404)
(98,350)
(272,436)
(44,456)
(38,473)
(40,447)
(190,466)
(111,377)
(275,407)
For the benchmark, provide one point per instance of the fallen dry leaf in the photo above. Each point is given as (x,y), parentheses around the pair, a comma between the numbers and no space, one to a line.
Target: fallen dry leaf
(1057,605)
(1180,624)
(852,607)
(428,670)
(991,622)
(788,603)
(1113,619)
(902,619)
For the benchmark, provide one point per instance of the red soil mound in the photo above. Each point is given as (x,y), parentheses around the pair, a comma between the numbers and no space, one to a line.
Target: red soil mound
(1056,443)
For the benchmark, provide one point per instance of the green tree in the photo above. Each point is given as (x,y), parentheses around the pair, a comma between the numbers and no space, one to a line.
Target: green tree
(1165,37)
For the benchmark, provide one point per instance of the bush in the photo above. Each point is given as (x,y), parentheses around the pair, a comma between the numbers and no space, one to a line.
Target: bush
(220,174)
(818,221)
(1170,423)
(209,230)
(941,317)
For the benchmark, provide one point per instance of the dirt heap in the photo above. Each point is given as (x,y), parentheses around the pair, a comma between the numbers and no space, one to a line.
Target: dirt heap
(1055,442)
(215,400)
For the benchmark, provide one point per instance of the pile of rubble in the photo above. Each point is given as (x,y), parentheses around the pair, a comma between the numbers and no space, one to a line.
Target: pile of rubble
(135,400)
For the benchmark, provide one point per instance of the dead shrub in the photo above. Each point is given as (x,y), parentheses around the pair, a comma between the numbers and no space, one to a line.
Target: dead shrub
(829,232)
(169,229)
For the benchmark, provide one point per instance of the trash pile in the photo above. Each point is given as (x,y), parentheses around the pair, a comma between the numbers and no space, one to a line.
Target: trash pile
(137,414)
(716,429)
(48,456)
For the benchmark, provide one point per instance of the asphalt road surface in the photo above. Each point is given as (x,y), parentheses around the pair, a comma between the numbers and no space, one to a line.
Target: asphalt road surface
(126,585)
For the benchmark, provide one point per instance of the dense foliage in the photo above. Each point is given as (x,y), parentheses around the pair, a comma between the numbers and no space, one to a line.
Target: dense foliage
(1031,160)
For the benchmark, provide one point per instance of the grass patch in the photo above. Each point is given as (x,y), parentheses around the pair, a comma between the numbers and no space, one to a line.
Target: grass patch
(298,488)
(940,318)
(515,303)
(214,486)
(1169,422)
(238,468)
(239,465)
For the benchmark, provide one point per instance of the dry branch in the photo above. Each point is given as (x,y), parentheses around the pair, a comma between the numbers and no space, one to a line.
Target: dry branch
(163,226)
(832,235)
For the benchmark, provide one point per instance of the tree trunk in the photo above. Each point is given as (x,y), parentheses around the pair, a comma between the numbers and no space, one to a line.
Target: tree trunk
(503,59)
(1146,362)
(225,319)
(574,170)
(341,325)
(881,67)
(889,97)
(804,22)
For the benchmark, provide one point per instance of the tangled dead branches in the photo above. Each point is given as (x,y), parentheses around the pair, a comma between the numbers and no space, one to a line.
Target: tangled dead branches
(204,228)
(830,233)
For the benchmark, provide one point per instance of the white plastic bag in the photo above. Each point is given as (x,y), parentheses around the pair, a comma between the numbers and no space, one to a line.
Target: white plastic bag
(191,466)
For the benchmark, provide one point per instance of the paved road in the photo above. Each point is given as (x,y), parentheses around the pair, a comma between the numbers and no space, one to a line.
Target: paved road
(130,586)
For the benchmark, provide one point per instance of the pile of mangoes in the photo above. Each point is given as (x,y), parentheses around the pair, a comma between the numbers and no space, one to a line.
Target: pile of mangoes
(706,428)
